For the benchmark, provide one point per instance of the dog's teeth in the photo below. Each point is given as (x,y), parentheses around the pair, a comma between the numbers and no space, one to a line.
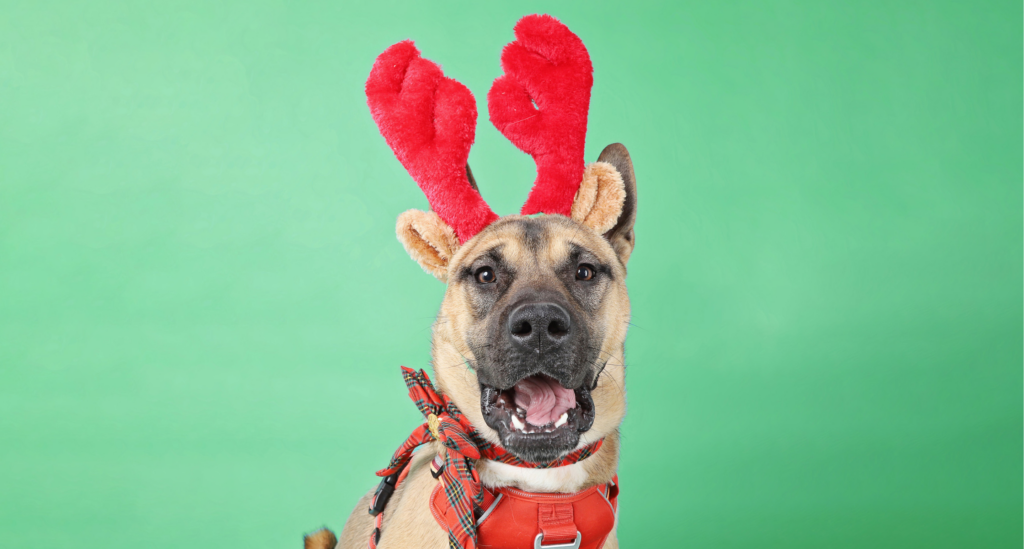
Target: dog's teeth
(518,423)
(562,419)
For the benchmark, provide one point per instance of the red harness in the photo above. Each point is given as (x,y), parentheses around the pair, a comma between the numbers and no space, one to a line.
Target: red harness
(492,517)
(580,520)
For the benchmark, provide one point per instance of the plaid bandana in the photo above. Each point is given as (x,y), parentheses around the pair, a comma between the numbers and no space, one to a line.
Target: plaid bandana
(462,444)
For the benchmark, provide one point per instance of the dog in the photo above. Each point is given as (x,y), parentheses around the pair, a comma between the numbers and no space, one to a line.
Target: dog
(529,340)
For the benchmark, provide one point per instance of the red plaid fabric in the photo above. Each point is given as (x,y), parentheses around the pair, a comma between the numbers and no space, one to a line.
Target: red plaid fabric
(462,444)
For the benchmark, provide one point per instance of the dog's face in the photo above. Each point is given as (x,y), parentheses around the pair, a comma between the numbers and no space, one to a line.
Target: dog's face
(529,340)
(537,302)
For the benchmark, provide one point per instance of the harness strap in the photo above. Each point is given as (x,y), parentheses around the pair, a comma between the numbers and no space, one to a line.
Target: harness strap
(556,523)
(380,500)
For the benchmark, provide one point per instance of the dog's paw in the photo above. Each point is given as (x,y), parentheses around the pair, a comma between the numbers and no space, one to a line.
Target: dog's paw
(321,539)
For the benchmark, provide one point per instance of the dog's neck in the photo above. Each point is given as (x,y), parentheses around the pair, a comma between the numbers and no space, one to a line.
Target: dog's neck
(570,478)
(597,469)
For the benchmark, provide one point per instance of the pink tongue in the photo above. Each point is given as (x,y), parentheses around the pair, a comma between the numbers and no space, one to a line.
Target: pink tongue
(544,399)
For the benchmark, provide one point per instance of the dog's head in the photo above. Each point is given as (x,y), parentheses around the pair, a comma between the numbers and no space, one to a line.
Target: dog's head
(529,340)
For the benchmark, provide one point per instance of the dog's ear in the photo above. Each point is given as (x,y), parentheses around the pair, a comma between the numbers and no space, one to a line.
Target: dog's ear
(428,240)
(606,199)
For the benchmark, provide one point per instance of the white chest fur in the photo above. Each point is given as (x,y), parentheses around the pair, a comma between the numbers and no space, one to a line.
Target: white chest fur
(568,478)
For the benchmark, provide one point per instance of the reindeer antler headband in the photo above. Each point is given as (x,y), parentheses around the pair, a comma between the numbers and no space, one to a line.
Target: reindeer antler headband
(540,104)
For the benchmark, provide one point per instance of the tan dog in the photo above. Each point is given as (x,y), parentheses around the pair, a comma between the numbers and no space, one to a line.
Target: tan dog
(578,265)
(528,345)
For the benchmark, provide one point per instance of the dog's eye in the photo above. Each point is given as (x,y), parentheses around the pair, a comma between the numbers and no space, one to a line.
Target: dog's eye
(485,275)
(584,272)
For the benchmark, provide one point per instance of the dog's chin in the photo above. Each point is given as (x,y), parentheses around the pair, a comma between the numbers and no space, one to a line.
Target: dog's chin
(535,443)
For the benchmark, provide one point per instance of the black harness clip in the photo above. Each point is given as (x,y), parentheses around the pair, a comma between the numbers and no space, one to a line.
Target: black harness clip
(383,494)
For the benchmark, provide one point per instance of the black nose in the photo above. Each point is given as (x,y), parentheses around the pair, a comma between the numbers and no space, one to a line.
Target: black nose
(539,325)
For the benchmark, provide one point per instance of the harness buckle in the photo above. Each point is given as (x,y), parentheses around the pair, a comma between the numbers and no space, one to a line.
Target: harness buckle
(540,538)
(383,494)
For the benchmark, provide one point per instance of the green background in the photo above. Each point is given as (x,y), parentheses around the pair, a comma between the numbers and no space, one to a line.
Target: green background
(203,307)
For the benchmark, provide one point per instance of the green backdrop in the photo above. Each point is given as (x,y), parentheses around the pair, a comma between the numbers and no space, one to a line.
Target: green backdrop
(203,307)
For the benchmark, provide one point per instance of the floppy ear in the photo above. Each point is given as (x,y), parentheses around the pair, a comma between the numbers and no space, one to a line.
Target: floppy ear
(428,240)
(606,200)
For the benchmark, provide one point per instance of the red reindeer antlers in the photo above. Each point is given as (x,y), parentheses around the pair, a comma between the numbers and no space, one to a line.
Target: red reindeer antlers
(540,104)
(429,121)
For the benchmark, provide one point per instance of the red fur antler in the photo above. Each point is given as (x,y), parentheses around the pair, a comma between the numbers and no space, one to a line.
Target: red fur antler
(429,121)
(541,103)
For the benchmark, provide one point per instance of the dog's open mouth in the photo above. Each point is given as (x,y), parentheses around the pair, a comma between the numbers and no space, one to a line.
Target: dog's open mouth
(538,419)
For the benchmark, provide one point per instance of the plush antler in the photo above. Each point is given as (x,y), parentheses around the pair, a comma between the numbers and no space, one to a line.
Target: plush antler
(541,103)
(429,121)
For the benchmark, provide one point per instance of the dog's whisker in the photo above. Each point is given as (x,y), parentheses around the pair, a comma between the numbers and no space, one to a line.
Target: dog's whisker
(615,382)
